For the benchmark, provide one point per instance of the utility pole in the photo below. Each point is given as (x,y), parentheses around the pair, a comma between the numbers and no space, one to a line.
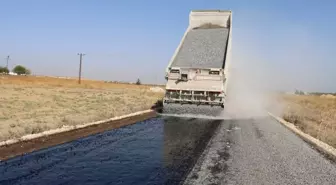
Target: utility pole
(7,59)
(80,66)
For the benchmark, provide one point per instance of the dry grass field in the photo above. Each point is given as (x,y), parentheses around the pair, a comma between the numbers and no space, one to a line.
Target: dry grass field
(314,115)
(34,104)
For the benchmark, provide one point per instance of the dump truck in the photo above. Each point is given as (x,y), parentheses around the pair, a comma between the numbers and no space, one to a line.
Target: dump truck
(198,71)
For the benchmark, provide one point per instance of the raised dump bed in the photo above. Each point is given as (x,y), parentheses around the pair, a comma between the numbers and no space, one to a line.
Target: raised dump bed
(202,48)
(198,70)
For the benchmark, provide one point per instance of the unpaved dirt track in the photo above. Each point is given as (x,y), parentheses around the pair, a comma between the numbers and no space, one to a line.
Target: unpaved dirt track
(260,151)
(156,151)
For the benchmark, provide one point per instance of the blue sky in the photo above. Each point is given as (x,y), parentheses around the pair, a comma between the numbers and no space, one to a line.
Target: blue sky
(288,41)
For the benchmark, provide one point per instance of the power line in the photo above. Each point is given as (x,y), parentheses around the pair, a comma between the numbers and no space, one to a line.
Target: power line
(7,59)
(80,67)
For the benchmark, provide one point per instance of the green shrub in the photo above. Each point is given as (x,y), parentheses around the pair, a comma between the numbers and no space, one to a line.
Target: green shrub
(4,70)
(21,70)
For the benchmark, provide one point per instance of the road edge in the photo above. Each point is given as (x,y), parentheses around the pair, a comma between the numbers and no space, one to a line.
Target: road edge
(324,148)
(33,142)
(66,128)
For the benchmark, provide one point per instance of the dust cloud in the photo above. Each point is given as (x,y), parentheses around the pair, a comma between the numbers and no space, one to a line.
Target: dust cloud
(251,89)
(272,53)
(255,79)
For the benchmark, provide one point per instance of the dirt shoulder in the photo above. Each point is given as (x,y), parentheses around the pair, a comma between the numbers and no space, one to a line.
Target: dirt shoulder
(30,105)
(314,115)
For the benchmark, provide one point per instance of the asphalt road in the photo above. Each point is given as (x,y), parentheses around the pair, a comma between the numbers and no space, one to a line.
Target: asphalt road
(170,150)
(156,151)
(260,151)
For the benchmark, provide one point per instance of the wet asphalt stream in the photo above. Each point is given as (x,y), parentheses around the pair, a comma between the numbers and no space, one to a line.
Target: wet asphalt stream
(156,151)
(169,150)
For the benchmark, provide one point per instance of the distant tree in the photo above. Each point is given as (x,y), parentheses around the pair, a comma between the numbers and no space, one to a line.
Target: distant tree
(138,82)
(4,70)
(298,92)
(21,70)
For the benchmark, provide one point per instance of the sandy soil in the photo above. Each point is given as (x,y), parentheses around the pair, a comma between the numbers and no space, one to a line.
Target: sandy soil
(31,105)
(314,115)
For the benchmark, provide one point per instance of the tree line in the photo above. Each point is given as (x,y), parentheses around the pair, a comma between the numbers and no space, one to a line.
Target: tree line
(19,69)
(299,92)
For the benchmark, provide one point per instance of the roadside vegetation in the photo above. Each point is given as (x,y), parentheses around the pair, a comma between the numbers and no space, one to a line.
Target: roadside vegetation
(21,70)
(4,70)
(30,104)
(18,70)
(314,114)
